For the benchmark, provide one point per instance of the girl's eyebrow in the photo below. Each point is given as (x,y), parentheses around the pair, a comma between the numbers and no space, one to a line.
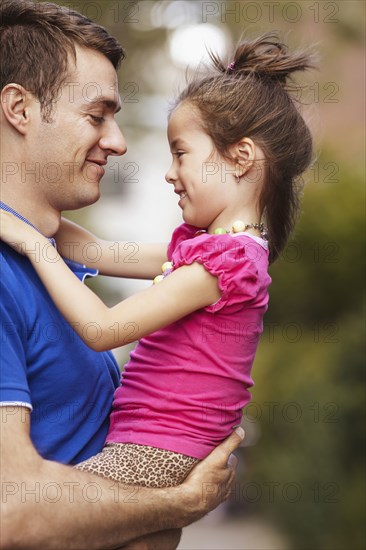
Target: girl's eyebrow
(177,141)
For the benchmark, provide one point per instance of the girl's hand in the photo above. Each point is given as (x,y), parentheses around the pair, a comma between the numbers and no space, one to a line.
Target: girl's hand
(18,234)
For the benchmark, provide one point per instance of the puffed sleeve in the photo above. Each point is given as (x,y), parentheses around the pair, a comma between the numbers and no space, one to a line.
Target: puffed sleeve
(180,234)
(230,259)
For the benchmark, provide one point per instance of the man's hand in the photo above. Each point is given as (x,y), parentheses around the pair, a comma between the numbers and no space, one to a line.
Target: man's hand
(210,481)
(206,487)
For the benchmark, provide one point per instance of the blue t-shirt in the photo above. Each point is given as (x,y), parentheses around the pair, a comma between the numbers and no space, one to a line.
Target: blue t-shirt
(46,366)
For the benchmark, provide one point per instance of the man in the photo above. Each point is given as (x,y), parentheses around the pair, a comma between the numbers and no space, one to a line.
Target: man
(59,97)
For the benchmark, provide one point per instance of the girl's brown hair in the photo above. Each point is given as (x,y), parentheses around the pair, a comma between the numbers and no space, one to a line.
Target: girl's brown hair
(36,40)
(250,97)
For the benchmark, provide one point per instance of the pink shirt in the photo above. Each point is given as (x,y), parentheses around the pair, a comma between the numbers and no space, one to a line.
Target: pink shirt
(185,386)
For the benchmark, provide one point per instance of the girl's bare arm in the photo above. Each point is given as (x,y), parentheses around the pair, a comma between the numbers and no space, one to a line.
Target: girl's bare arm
(185,290)
(114,258)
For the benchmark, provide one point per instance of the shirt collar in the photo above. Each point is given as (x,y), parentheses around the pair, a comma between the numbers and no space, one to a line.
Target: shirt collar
(81,271)
(7,208)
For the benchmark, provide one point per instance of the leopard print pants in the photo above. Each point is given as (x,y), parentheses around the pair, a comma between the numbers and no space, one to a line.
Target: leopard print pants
(133,464)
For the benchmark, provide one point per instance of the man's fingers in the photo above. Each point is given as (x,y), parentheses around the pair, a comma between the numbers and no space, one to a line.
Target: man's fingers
(221,454)
(232,442)
(226,486)
(232,462)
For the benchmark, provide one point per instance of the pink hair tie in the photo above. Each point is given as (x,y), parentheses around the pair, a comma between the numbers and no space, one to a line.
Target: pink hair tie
(231,66)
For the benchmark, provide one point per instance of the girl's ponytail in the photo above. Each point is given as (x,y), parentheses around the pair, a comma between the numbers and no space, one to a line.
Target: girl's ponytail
(267,57)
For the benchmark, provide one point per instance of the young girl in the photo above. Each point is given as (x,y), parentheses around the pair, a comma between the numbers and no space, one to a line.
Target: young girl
(238,145)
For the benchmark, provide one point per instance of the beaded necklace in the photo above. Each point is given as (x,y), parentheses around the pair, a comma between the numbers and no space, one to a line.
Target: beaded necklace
(237,227)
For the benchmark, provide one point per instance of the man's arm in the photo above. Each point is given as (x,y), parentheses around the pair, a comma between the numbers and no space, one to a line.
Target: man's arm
(47,504)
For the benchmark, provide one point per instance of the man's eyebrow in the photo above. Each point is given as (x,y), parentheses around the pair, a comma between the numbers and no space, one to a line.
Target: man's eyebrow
(109,104)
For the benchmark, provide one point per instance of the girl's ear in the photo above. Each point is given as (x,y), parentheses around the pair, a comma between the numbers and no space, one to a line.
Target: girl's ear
(15,104)
(243,154)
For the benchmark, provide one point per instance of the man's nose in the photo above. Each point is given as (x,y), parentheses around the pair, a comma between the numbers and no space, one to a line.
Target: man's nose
(114,141)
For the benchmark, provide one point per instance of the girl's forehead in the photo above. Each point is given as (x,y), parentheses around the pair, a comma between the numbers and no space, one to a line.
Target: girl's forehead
(184,117)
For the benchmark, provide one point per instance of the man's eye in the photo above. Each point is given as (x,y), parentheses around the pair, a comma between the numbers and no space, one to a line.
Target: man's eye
(97,119)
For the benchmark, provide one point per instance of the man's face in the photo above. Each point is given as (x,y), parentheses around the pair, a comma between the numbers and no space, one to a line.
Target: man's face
(72,149)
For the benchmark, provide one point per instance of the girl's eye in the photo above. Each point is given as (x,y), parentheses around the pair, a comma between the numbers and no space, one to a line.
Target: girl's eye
(179,153)
(97,119)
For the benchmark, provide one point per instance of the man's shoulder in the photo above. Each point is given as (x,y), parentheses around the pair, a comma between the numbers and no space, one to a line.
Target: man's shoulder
(9,258)
(15,269)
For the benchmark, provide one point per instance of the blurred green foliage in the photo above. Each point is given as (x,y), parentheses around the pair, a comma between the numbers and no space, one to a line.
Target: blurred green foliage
(320,274)
(309,397)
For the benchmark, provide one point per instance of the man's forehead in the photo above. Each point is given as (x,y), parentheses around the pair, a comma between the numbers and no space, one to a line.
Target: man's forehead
(94,79)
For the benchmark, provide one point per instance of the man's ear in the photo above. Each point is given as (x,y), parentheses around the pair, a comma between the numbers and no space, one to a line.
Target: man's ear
(15,104)
(243,154)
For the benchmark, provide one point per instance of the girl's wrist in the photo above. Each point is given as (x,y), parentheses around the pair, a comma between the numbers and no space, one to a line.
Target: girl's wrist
(39,248)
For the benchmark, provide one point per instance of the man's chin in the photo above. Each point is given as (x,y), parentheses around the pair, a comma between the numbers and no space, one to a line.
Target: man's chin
(82,201)
(90,199)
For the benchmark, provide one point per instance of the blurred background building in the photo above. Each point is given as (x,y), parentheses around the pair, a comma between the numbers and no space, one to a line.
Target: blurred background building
(301,481)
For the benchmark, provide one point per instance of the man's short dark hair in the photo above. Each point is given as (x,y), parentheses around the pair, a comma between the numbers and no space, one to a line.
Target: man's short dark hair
(36,40)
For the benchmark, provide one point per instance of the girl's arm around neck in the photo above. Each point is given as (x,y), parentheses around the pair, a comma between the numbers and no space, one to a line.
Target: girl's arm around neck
(187,289)
(114,258)
(184,291)
(102,328)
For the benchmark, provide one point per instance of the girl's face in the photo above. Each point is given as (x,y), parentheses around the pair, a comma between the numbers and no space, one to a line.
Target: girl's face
(202,178)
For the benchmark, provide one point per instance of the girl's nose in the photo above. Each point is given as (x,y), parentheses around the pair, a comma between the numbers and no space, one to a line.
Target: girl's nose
(170,176)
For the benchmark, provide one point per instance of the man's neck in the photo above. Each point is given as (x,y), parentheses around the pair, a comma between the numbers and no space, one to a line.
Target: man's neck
(46,220)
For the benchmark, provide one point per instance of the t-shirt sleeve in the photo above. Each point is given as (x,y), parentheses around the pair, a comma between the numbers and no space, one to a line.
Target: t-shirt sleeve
(228,258)
(180,234)
(14,388)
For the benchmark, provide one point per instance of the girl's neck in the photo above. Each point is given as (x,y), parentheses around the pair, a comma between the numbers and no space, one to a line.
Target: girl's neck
(226,221)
